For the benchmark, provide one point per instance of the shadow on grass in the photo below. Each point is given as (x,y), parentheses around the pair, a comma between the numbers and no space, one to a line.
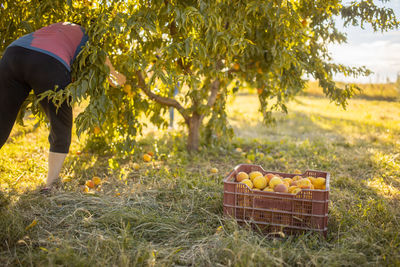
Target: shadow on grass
(298,142)
(298,127)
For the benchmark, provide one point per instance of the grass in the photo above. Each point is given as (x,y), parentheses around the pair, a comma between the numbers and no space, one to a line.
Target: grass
(371,91)
(169,212)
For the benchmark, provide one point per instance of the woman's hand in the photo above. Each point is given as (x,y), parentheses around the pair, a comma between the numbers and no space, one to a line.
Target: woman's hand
(115,78)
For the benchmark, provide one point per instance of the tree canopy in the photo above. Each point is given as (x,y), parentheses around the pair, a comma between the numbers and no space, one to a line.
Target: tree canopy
(209,49)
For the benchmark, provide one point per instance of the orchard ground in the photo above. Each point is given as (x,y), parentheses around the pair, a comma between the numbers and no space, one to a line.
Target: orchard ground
(169,212)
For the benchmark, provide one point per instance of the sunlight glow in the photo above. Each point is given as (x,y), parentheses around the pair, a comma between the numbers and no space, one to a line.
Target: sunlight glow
(383,188)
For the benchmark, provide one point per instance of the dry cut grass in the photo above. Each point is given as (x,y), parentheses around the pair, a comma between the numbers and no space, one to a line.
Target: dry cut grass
(169,212)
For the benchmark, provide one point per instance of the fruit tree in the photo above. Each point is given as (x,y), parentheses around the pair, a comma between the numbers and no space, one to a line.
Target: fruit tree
(208,48)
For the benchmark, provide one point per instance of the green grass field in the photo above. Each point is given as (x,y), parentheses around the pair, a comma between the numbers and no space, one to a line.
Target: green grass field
(169,212)
(371,91)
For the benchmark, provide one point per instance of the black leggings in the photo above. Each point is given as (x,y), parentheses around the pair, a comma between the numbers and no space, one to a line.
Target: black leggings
(23,69)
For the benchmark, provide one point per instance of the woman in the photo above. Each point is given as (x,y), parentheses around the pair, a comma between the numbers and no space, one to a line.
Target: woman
(41,61)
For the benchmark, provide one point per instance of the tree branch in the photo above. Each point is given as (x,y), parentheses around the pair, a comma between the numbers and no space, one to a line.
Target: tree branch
(214,87)
(186,68)
(160,99)
(213,95)
(214,92)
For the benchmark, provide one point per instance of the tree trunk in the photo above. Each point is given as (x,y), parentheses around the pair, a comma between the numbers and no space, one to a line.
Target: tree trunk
(194,132)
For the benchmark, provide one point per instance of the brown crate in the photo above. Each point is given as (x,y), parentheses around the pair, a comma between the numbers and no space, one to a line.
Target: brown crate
(277,212)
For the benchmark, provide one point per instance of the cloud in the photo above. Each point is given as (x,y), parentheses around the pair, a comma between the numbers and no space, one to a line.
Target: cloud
(378,52)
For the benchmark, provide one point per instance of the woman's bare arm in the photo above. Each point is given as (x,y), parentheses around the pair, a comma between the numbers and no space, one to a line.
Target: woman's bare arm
(115,78)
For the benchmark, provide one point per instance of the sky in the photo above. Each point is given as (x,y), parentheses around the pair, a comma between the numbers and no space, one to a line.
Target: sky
(379,52)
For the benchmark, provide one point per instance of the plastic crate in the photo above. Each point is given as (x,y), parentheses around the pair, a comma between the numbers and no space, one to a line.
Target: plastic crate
(273,212)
